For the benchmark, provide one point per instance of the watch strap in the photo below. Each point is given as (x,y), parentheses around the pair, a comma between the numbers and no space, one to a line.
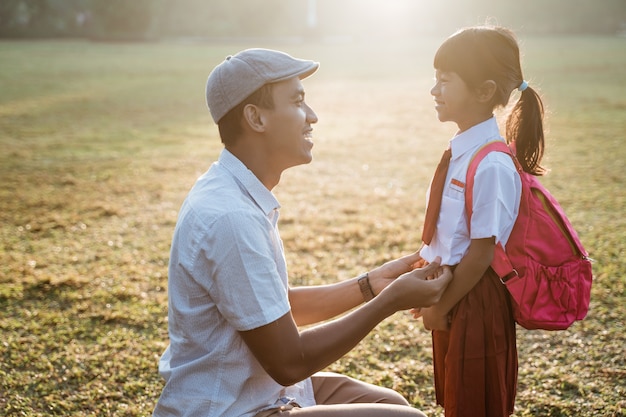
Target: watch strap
(365,287)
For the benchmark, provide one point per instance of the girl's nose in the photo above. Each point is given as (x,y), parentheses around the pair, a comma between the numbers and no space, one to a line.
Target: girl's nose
(434,90)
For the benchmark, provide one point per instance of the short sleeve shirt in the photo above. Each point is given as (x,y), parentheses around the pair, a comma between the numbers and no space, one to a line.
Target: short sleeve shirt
(497,192)
(227,273)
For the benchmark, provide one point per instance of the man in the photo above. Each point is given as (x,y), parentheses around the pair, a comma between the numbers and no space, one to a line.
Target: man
(235,347)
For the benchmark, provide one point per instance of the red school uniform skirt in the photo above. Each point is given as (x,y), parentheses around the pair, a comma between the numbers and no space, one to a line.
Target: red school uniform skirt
(475,362)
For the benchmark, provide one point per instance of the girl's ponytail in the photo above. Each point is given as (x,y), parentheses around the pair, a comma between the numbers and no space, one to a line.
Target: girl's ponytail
(524,128)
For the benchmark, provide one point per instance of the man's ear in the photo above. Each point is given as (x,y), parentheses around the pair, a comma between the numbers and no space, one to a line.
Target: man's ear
(253,116)
(486,91)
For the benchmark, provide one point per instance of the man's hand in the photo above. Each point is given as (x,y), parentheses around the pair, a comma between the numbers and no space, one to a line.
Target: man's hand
(417,311)
(385,274)
(421,287)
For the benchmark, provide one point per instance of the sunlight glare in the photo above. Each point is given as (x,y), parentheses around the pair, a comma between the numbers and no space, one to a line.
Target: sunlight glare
(399,17)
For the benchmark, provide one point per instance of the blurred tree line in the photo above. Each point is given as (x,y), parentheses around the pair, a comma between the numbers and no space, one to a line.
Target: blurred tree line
(150,19)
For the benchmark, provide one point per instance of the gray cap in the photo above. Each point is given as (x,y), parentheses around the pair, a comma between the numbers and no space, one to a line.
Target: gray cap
(242,74)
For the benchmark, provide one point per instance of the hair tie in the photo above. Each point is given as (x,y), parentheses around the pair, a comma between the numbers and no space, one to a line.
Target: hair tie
(523,86)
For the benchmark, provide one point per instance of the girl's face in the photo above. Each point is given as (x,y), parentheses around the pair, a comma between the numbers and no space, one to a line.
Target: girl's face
(455,101)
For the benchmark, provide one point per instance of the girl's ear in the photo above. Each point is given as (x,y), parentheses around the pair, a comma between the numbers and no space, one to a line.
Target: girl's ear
(253,117)
(486,91)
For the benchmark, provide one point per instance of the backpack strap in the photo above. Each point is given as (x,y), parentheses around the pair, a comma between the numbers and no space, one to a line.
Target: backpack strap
(500,263)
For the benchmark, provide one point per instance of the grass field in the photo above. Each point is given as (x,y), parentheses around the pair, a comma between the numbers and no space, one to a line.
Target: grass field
(100,143)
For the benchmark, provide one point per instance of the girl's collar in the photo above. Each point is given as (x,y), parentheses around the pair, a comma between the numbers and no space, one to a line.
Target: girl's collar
(476,135)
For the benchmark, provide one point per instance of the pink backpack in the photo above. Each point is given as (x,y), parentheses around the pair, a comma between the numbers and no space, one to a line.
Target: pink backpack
(545,267)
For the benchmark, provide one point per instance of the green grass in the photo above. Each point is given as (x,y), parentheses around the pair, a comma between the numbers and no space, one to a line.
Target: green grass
(101,142)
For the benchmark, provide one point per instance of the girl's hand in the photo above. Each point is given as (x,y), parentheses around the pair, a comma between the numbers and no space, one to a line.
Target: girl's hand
(434,320)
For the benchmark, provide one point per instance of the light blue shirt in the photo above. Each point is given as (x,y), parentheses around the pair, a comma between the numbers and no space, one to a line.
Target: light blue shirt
(496,200)
(227,273)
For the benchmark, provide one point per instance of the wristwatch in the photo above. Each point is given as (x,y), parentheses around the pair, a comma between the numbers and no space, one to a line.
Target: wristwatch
(365,287)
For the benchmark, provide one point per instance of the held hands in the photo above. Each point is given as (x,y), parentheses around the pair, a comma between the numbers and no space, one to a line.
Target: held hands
(431,317)
(419,287)
(385,274)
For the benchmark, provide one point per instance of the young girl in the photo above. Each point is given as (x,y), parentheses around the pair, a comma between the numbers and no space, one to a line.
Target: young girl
(474,346)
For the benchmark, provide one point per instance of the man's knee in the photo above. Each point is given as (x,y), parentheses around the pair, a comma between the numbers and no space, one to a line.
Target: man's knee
(331,388)
(392,397)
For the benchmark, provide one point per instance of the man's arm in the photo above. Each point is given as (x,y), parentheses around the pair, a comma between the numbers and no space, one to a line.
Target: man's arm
(290,356)
(313,304)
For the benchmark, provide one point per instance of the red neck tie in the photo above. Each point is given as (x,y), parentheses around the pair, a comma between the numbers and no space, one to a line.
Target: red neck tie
(434,200)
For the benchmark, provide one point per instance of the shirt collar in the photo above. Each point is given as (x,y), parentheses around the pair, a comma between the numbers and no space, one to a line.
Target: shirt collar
(474,137)
(263,197)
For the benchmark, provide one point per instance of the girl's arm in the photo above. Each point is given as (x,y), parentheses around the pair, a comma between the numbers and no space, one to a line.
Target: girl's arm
(466,275)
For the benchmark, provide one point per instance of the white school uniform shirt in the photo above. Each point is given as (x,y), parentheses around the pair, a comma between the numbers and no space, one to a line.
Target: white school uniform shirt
(227,273)
(497,192)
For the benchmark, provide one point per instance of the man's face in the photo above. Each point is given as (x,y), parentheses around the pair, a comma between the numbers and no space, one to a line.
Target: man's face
(288,125)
